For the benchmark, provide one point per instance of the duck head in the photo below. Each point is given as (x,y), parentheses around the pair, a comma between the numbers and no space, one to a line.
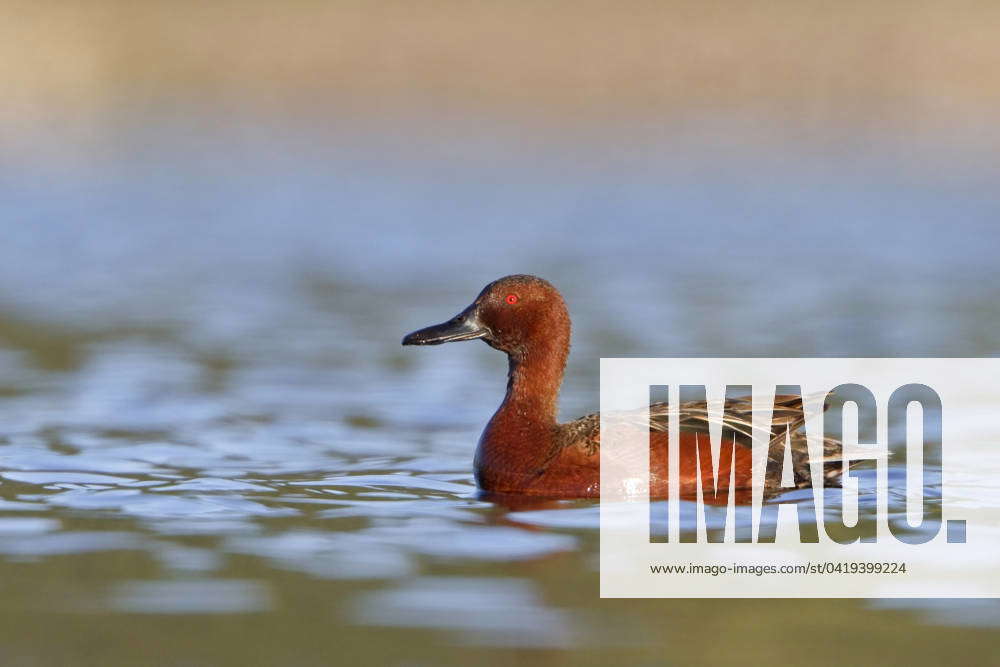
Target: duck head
(512,314)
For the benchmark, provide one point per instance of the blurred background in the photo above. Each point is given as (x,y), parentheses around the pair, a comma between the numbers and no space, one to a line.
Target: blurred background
(219,219)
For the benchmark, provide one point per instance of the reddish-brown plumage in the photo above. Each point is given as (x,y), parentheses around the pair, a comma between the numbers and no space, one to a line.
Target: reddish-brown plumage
(523,450)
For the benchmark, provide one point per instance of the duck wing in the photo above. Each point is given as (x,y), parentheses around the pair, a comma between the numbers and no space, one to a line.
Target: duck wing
(580,439)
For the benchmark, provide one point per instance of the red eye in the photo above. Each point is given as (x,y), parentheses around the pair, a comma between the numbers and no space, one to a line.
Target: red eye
(511,299)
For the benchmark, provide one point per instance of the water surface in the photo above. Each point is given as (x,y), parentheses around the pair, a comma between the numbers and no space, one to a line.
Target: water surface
(214,451)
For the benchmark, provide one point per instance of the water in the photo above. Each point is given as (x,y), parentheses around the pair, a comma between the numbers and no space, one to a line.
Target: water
(214,451)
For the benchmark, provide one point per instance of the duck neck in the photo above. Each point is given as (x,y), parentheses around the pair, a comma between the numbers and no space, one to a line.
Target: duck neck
(520,434)
(534,376)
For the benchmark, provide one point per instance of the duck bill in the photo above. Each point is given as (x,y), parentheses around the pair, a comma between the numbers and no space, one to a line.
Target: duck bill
(464,326)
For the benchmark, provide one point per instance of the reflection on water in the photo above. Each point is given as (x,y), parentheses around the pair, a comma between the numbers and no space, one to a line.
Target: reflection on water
(500,611)
(205,410)
(224,596)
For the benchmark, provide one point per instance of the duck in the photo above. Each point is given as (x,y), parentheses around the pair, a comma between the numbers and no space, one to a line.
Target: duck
(525,451)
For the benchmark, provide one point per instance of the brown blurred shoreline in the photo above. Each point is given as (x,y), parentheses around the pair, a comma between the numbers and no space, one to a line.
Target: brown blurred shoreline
(903,67)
